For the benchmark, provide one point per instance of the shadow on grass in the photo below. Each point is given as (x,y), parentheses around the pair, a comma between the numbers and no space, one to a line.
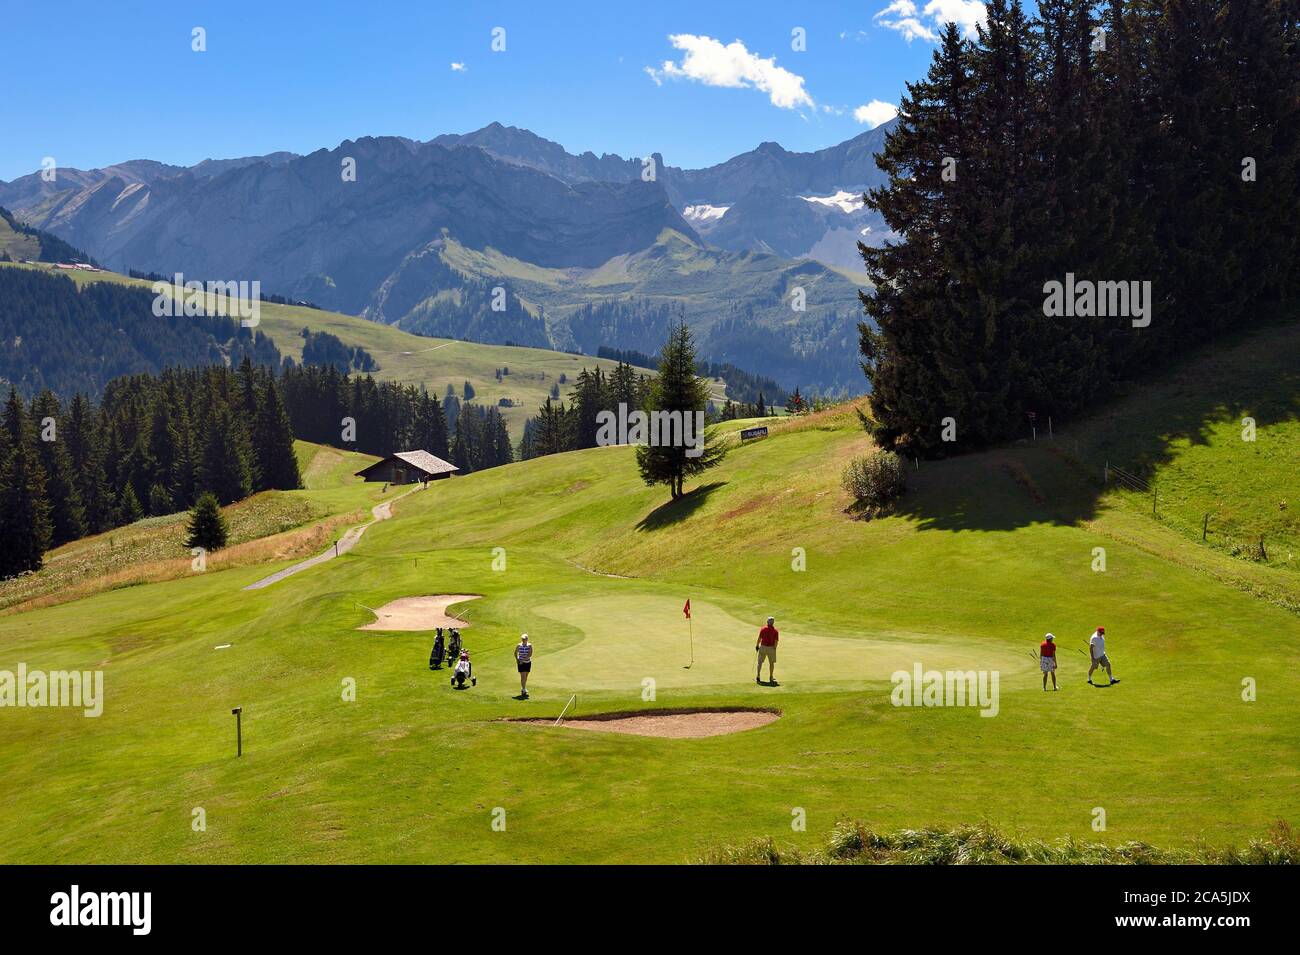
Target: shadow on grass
(665,515)
(1059,481)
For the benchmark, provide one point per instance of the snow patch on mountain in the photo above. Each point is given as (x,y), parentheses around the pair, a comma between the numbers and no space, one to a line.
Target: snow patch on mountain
(704,213)
(846,202)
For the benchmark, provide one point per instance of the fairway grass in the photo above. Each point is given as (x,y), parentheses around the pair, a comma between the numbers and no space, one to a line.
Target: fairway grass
(983,555)
(1172,754)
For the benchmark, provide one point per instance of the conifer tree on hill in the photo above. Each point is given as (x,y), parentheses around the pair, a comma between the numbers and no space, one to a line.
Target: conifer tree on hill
(677,389)
(207,526)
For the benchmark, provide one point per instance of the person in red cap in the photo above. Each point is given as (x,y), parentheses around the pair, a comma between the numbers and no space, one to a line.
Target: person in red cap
(1097,647)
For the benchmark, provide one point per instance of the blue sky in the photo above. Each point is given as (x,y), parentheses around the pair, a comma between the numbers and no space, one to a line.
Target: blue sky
(90,84)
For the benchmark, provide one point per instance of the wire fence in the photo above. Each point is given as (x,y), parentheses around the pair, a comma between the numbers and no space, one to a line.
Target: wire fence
(1199,520)
(1196,519)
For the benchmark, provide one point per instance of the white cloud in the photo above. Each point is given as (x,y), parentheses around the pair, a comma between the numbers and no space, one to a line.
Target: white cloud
(875,113)
(709,62)
(905,17)
(967,14)
(459,67)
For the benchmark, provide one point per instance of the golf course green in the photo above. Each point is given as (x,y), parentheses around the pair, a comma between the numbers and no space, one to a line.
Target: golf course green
(984,554)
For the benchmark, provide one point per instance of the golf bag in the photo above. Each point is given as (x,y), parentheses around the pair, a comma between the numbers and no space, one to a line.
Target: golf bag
(453,645)
(435,657)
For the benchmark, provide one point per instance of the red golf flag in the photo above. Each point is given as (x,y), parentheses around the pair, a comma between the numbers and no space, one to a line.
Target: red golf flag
(687,609)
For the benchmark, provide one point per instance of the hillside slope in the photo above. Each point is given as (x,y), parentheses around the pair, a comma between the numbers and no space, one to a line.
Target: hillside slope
(1215,440)
(268,526)
(434,363)
(793,321)
(19,242)
(985,553)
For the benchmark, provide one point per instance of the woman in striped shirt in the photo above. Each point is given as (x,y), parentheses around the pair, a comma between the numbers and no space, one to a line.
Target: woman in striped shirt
(524,658)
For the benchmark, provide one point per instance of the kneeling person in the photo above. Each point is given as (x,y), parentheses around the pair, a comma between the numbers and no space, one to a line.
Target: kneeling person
(464,671)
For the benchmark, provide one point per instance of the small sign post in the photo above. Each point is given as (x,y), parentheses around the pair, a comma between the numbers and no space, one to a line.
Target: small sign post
(239,731)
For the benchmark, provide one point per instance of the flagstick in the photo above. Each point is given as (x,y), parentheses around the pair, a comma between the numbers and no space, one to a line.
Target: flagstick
(690,626)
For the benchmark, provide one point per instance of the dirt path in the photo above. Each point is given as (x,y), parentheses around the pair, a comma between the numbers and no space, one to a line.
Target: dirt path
(380,512)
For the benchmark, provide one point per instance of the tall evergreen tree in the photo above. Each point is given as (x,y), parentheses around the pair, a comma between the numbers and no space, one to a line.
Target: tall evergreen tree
(163,455)
(551,435)
(678,391)
(129,508)
(919,352)
(460,453)
(590,397)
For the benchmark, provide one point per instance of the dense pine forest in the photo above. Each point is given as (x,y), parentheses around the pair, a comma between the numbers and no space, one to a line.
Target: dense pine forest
(379,418)
(322,348)
(153,445)
(1114,142)
(559,427)
(55,336)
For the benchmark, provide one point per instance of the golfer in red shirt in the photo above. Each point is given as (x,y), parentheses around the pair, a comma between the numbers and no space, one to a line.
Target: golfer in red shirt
(1047,660)
(766,647)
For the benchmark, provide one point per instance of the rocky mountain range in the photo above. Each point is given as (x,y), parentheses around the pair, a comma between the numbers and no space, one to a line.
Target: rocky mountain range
(798,205)
(420,234)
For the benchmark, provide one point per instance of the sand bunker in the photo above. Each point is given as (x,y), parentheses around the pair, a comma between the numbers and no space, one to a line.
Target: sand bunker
(669,724)
(419,613)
